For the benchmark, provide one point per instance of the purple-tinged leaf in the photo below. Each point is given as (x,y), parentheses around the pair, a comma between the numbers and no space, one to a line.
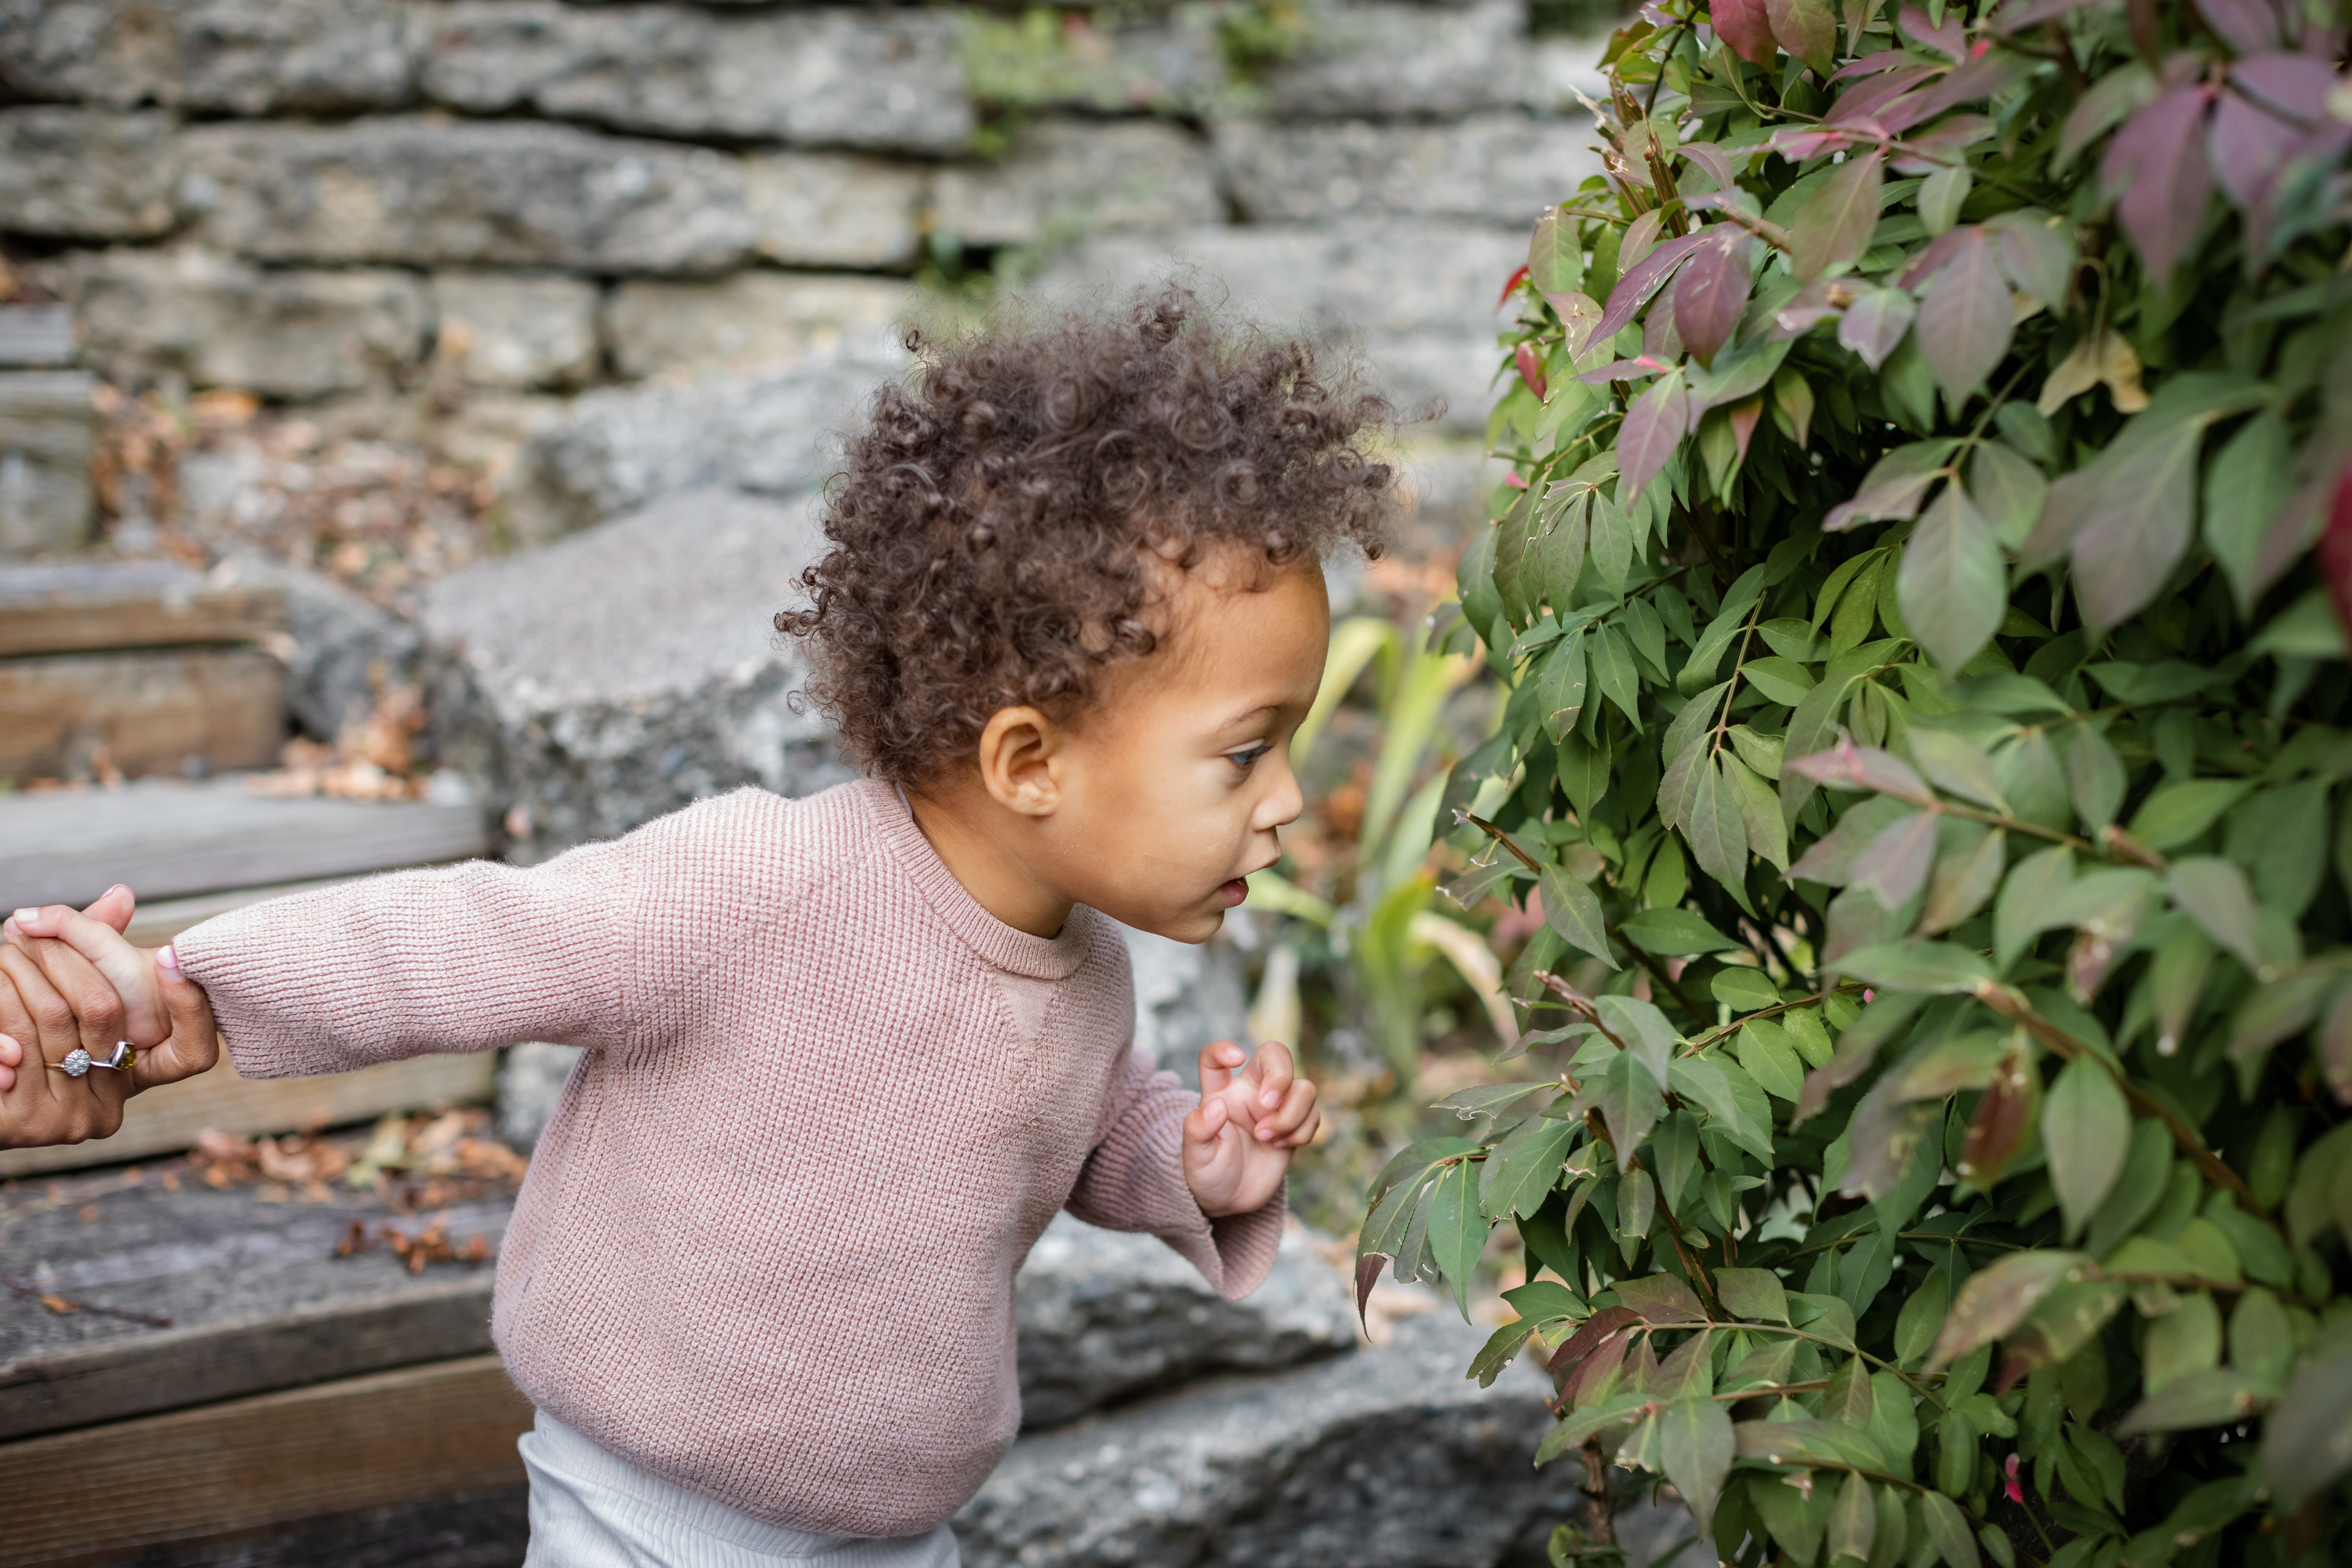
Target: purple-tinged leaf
(1626,370)
(1744,24)
(2308,514)
(1660,338)
(1712,161)
(1579,314)
(1641,236)
(1712,292)
(2249,145)
(1932,257)
(1933,149)
(1816,302)
(2135,530)
(1863,767)
(1634,289)
(2016,18)
(1951,586)
(1794,395)
(1600,1326)
(1895,485)
(1859,103)
(1894,866)
(1996,1299)
(1951,39)
(1987,77)
(2038,259)
(1807,29)
(2112,96)
(1743,419)
(1660,1299)
(1833,227)
(1654,427)
(1871,65)
(2248,27)
(2157,163)
(2294,84)
(1875,323)
(1965,322)
(1802,146)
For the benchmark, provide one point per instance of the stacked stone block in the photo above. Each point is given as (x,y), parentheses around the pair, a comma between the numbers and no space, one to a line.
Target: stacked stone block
(314,199)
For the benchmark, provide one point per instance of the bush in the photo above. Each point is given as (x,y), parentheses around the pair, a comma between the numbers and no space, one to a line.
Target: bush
(1926,731)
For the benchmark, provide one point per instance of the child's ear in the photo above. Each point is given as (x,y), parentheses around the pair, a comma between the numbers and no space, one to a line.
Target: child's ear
(1016,754)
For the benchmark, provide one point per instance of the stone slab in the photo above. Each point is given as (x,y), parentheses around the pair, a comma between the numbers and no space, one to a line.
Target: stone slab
(208,321)
(619,448)
(1490,169)
(241,57)
(1103,1317)
(85,607)
(872,76)
(341,648)
(1063,177)
(748,321)
(48,429)
(517,330)
(36,337)
(1419,295)
(835,209)
(85,173)
(629,669)
(1386,60)
(422,192)
(1385,1458)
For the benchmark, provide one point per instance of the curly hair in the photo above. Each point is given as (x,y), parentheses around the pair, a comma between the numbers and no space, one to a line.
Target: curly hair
(990,528)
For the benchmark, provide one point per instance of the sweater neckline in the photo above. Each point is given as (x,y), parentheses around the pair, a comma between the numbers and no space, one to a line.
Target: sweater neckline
(1004,946)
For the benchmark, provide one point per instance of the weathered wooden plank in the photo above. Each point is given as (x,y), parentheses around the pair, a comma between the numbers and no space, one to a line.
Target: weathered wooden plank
(90,606)
(255,1297)
(476,1530)
(168,839)
(166,1120)
(438,1430)
(155,711)
(47,430)
(36,335)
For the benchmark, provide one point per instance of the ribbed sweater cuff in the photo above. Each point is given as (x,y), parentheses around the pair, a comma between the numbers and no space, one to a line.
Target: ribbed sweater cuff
(1136,1183)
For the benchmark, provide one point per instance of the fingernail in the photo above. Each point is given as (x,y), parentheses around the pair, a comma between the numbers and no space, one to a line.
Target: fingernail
(168,962)
(25,917)
(9,1048)
(1270,1099)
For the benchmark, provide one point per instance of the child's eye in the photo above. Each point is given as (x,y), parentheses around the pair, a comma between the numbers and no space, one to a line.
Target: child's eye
(1246,758)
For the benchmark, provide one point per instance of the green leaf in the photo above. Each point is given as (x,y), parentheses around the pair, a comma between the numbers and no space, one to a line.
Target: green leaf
(2095,775)
(2179,813)
(1783,680)
(1675,932)
(1561,694)
(1764,1050)
(1968,864)
(1996,1299)
(2215,894)
(1952,585)
(1573,911)
(2086,1131)
(2216,1398)
(2025,898)
(1744,990)
(2307,1441)
(1637,1210)
(1526,1165)
(2135,525)
(2009,490)
(1930,967)
(1716,831)
(1612,660)
(1922,1316)
(1948,1528)
(1964,322)
(1755,1294)
(1457,1231)
(2245,486)
(1555,254)
(1486,1099)
(1502,1347)
(1833,227)
(1760,811)
(1707,1083)
(1696,1443)
(1629,1102)
(1644,1028)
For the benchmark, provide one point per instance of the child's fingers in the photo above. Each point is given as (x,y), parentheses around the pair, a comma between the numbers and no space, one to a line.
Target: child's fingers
(1272,1072)
(1285,1120)
(128,969)
(195,1044)
(1208,1119)
(114,908)
(1218,1063)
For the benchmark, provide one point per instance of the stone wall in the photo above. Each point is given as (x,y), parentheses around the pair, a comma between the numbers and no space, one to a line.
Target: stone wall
(316,199)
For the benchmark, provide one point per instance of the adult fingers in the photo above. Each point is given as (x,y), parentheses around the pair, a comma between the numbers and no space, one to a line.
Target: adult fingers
(99,1017)
(129,970)
(195,1044)
(1273,1072)
(45,1105)
(1218,1062)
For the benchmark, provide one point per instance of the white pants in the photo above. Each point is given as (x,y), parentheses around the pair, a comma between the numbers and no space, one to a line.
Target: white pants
(591,1510)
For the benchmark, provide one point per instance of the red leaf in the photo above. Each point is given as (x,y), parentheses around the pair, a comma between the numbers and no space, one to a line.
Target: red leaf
(2003,1119)
(2249,146)
(1951,39)
(1654,427)
(1530,366)
(1932,257)
(1633,290)
(1964,323)
(2336,550)
(1871,65)
(1715,160)
(2157,162)
(1626,370)
(1859,103)
(2294,84)
(1743,424)
(1801,146)
(1743,24)
(1875,323)
(1511,287)
(1368,1273)
(1589,1333)
(1711,294)
(2248,27)
(1814,303)
(1834,225)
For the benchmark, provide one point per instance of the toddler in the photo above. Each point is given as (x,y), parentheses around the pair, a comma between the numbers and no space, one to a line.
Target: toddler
(847,1055)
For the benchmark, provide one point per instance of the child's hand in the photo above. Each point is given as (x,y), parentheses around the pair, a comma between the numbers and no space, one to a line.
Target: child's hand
(73,982)
(1237,1144)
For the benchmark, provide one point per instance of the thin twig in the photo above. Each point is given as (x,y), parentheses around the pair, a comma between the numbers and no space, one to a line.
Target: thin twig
(25,1289)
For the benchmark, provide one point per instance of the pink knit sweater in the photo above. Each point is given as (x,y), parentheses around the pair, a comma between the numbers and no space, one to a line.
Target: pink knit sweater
(767,1246)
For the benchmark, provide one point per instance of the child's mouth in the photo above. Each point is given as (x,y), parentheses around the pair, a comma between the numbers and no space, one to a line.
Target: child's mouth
(1233,892)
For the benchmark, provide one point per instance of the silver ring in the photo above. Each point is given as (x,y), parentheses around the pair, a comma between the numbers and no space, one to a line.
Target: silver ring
(77,1062)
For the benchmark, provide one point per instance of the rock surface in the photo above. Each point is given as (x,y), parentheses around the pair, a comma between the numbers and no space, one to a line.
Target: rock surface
(621,447)
(835,209)
(1419,295)
(1498,169)
(344,646)
(248,57)
(1386,1458)
(1385,59)
(85,173)
(1080,176)
(517,330)
(1186,995)
(1104,1316)
(531,1081)
(751,321)
(217,323)
(420,192)
(628,671)
(873,77)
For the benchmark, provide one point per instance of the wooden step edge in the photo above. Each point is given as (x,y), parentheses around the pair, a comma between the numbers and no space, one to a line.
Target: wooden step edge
(104,1494)
(154,1371)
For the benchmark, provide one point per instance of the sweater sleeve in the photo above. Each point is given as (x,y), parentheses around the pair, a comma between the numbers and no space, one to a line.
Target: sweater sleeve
(1134,1180)
(461,958)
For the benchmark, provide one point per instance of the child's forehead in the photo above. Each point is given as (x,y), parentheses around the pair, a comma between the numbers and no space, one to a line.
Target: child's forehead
(1235,619)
